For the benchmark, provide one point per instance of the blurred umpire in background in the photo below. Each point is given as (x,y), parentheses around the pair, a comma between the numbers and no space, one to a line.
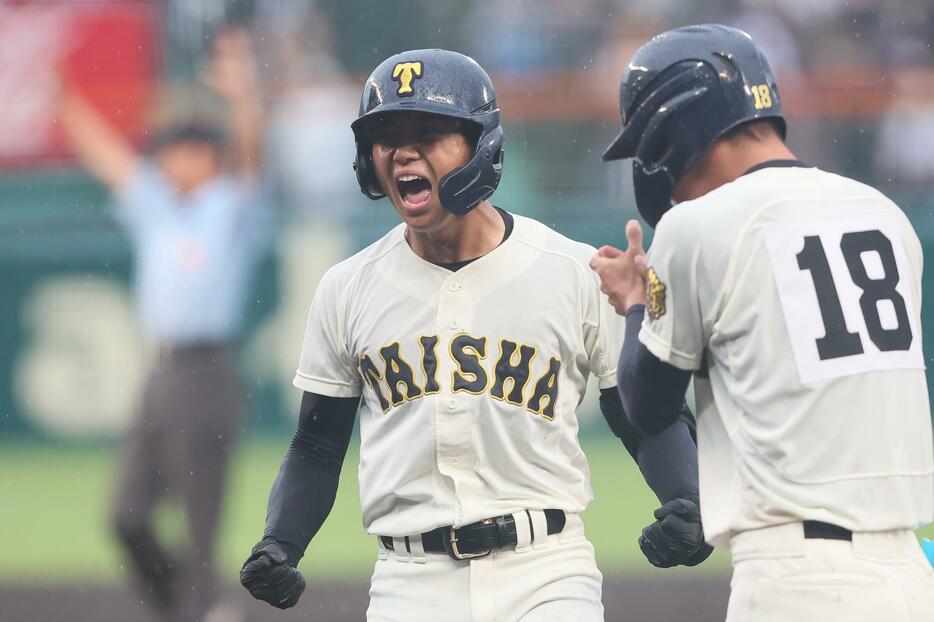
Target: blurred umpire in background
(194,220)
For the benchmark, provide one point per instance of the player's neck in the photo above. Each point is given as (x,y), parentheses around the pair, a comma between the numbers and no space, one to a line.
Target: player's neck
(459,239)
(726,161)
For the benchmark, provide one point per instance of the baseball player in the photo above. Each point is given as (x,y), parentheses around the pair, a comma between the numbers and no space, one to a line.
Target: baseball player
(465,337)
(793,296)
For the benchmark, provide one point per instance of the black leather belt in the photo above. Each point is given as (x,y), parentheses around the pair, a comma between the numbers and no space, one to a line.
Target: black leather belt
(480,538)
(826,531)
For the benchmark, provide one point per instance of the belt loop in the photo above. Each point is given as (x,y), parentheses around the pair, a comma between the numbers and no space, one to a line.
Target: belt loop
(523,531)
(417,549)
(539,526)
(401,550)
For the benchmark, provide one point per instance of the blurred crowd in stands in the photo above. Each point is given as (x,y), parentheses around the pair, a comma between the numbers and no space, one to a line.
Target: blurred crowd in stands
(315,52)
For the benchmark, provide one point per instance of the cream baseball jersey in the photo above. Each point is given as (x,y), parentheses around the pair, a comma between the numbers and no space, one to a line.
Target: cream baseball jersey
(795,294)
(470,379)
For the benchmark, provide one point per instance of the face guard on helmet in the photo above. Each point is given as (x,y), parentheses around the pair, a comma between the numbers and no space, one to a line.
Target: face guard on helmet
(437,82)
(682,91)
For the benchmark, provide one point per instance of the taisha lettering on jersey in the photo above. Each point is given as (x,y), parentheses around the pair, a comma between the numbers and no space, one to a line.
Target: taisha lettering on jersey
(394,379)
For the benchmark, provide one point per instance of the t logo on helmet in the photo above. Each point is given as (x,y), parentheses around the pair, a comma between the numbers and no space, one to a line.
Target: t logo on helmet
(404,73)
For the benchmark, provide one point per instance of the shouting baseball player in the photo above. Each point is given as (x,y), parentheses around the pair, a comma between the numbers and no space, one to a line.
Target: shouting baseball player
(793,295)
(469,333)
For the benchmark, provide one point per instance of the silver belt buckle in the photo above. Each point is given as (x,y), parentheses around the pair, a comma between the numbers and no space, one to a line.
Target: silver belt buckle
(451,545)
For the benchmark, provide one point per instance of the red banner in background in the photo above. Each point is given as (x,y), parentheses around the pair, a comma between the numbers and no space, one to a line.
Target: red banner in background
(107,51)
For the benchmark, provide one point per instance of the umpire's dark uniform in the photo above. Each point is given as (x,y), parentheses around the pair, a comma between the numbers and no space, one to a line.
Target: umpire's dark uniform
(193,258)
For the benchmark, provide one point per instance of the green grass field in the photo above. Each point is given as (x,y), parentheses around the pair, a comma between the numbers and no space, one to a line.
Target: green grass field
(53,510)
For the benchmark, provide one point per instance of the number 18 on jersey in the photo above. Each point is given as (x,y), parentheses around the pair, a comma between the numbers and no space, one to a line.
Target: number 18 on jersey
(845,286)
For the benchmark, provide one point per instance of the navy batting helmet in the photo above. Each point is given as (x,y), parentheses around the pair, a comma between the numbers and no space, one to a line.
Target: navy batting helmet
(682,91)
(444,83)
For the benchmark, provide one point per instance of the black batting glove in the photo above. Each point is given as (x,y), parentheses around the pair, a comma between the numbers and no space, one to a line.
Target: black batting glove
(676,537)
(269,573)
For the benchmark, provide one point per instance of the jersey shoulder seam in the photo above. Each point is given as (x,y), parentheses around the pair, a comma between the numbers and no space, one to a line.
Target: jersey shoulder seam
(577,262)
(574,260)
(370,260)
(343,300)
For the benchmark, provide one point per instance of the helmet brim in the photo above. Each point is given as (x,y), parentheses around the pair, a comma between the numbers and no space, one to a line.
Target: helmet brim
(622,147)
(361,124)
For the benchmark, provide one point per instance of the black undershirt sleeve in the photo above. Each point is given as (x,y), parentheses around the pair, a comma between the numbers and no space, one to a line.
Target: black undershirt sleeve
(304,491)
(652,390)
(668,460)
(648,413)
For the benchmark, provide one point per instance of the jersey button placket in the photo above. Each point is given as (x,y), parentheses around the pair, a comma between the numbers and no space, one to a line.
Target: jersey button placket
(452,417)
(452,287)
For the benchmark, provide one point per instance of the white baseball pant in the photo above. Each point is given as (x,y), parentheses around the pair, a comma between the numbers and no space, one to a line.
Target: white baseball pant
(551,579)
(780,576)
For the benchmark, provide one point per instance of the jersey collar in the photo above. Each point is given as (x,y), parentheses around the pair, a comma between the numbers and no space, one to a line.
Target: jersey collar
(777,164)
(507,221)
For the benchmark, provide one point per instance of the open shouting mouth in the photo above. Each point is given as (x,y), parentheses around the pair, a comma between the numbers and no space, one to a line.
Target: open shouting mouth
(414,190)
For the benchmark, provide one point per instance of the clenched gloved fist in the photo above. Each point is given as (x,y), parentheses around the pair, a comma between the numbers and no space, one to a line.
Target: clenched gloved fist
(270,575)
(676,537)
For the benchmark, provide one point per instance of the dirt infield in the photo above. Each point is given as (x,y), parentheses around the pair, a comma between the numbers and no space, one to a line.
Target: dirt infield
(700,599)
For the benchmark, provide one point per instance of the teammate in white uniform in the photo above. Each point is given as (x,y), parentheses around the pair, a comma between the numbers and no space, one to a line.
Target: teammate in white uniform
(793,295)
(470,333)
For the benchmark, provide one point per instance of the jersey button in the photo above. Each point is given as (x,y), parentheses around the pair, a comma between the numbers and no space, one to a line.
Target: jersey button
(452,404)
(454,324)
(454,286)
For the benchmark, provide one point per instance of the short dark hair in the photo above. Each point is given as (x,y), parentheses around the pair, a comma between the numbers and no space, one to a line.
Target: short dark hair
(191,132)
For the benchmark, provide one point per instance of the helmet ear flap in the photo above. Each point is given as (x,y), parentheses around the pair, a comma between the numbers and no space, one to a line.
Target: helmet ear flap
(366,172)
(463,189)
